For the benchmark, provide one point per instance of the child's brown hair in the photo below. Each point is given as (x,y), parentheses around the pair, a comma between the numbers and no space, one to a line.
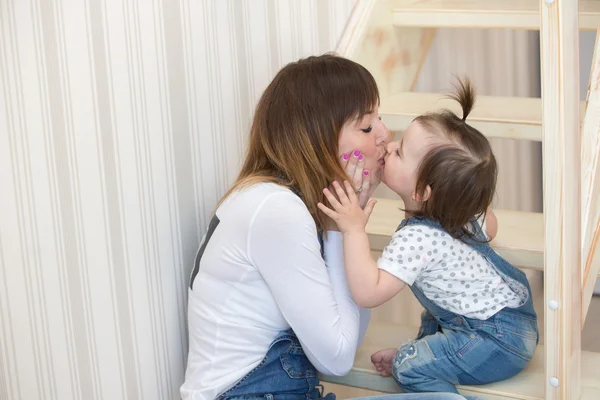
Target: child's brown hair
(462,172)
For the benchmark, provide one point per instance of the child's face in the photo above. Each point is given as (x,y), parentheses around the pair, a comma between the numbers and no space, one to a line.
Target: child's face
(403,159)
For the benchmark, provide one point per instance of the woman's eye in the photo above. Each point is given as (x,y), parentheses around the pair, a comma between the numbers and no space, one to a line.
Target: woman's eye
(369,129)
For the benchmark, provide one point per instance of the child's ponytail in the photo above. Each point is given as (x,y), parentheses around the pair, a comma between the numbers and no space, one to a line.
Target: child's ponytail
(464,94)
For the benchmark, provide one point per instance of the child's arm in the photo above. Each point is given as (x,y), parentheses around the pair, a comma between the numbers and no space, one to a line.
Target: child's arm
(370,286)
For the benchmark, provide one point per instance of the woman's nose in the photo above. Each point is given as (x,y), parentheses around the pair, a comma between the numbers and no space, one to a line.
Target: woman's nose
(385,134)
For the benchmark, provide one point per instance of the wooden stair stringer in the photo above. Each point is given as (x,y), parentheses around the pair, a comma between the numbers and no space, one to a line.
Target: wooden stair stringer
(393,55)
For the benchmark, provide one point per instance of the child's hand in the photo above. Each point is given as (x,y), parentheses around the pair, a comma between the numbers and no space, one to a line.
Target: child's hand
(347,213)
(382,361)
(491,224)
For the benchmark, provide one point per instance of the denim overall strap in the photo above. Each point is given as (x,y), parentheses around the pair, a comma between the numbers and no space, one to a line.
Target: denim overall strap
(285,373)
(478,243)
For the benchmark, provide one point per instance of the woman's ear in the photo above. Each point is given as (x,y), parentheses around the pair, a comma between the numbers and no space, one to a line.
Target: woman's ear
(422,197)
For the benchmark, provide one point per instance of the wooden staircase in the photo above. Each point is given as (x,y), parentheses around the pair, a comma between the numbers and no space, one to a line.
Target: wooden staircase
(391,38)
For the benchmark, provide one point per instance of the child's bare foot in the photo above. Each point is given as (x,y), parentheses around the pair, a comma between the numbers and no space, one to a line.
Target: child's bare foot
(382,360)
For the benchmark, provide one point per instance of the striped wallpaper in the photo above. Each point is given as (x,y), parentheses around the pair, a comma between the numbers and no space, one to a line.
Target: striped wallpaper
(121,123)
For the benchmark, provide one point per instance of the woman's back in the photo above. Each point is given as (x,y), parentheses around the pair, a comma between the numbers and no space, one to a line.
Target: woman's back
(233,317)
(258,272)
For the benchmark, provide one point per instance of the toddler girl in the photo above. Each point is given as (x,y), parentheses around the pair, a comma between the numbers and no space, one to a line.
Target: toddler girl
(479,325)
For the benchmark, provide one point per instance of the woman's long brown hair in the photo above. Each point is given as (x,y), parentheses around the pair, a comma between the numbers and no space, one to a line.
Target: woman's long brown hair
(297,124)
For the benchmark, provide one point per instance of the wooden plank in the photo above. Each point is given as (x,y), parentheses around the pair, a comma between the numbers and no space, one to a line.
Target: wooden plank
(520,238)
(361,379)
(559,43)
(590,185)
(529,384)
(500,117)
(503,117)
(512,14)
(393,55)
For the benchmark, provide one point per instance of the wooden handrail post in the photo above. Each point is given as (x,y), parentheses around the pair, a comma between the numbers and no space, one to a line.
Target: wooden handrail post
(559,37)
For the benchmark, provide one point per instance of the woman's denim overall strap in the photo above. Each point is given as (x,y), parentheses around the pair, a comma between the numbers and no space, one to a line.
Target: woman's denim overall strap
(285,373)
(503,267)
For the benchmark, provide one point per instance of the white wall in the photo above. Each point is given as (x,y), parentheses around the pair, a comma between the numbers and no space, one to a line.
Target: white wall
(121,124)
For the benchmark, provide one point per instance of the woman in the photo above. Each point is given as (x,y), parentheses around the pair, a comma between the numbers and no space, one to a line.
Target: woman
(269,305)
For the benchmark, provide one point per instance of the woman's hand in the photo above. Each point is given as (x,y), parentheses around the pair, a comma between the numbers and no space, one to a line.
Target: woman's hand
(362,180)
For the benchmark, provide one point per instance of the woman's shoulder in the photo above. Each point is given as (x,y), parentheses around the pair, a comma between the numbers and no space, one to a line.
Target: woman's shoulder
(260,191)
(269,196)
(269,210)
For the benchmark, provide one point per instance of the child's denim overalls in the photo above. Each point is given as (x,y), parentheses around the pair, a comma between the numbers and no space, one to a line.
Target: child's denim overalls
(451,349)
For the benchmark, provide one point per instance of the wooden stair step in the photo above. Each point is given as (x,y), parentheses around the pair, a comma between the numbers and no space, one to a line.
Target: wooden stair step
(501,117)
(529,384)
(512,14)
(504,117)
(520,238)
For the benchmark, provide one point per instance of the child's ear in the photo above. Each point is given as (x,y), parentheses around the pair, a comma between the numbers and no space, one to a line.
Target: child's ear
(422,197)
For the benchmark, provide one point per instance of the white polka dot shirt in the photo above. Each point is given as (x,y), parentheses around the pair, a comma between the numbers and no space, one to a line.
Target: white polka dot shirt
(449,272)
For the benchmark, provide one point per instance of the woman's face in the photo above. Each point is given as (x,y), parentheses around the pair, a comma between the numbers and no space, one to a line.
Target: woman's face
(370,136)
